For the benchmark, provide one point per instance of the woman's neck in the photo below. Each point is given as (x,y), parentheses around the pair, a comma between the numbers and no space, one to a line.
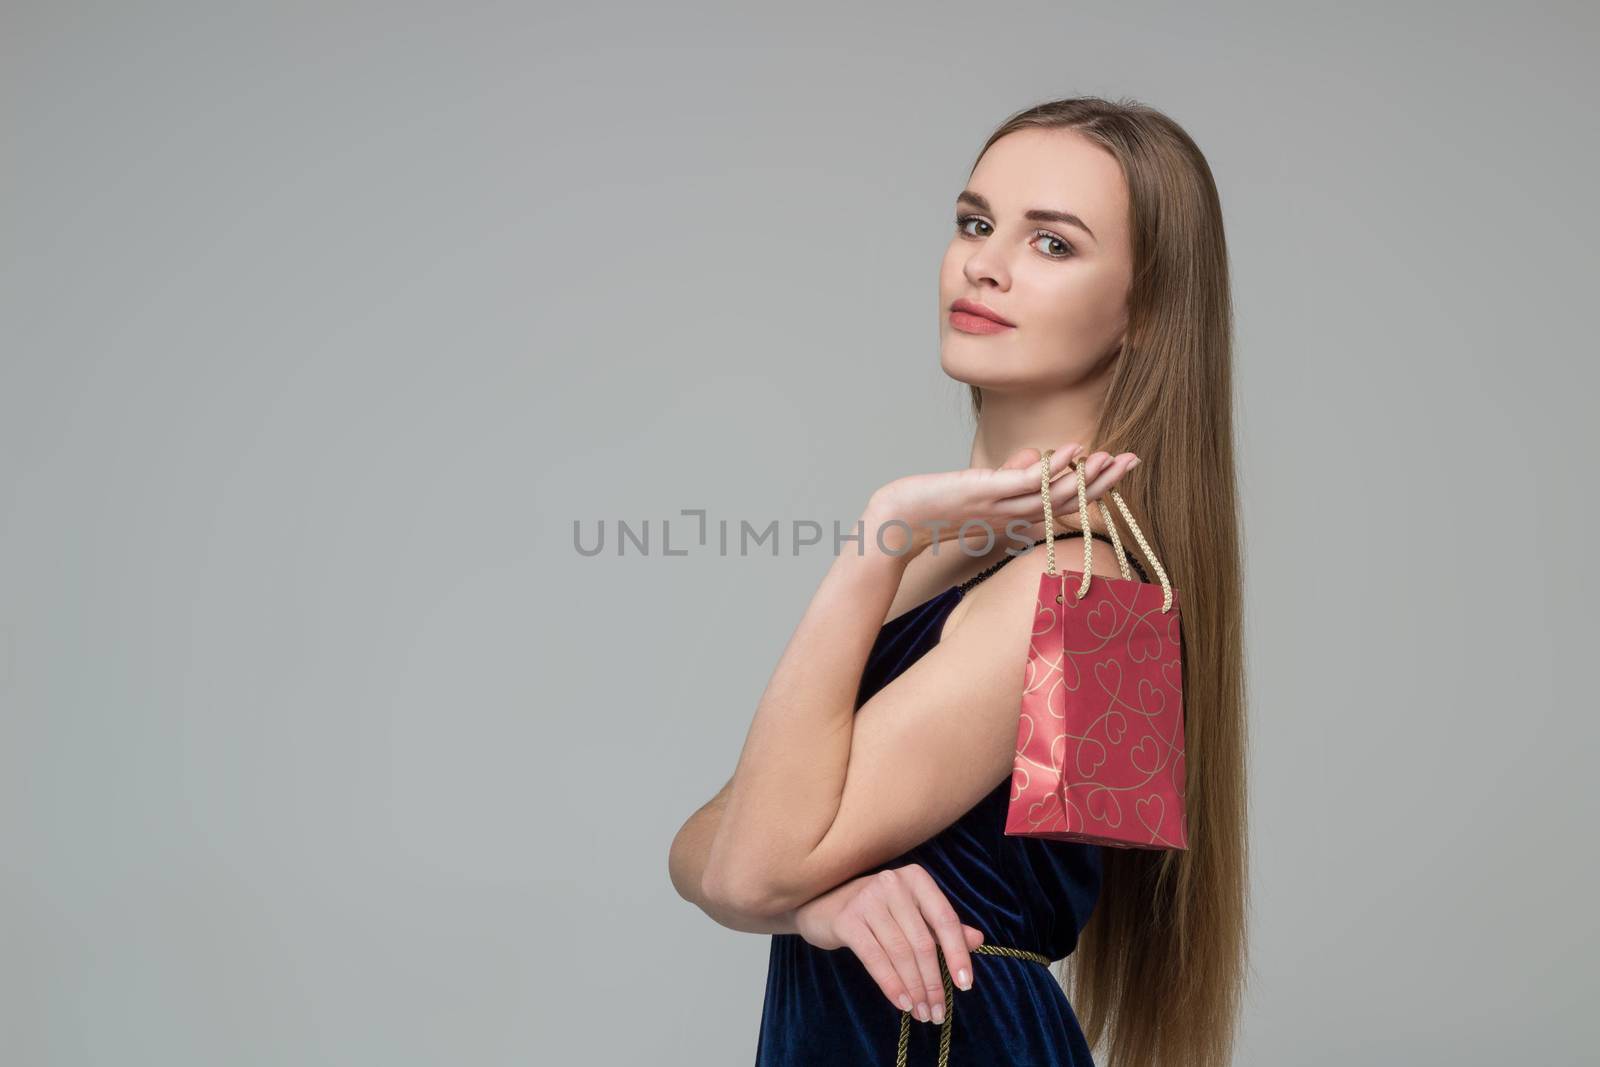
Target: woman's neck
(1011,421)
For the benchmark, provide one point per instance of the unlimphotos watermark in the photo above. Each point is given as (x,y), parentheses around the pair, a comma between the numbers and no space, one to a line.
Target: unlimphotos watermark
(975,537)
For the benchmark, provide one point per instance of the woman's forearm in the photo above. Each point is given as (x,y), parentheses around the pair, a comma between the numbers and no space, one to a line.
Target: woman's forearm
(687,864)
(786,789)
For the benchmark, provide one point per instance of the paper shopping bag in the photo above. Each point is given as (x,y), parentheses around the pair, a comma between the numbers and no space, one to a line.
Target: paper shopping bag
(1100,737)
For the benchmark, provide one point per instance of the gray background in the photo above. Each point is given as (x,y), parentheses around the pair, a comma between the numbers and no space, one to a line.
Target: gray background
(321,743)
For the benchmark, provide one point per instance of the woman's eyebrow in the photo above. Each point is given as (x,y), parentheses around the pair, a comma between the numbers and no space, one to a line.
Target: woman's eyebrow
(1037,214)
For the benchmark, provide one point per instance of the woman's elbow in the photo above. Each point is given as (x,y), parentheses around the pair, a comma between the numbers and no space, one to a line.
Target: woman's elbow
(683,869)
(744,892)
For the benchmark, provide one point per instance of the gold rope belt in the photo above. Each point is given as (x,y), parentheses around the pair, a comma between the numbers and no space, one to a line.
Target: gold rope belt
(950,1000)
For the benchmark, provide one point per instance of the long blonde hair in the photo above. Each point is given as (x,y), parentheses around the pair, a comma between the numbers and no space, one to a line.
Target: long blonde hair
(1159,970)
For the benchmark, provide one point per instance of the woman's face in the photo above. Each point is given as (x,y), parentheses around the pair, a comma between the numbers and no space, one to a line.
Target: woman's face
(1064,287)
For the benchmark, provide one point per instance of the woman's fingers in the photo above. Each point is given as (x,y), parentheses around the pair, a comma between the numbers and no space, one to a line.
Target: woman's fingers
(856,932)
(897,926)
(913,946)
(902,979)
(1061,461)
(1098,479)
(1022,467)
(945,926)
(1100,474)
(1101,471)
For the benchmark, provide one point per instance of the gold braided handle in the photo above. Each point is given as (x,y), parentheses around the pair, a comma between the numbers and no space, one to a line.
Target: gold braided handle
(1079,465)
(950,1000)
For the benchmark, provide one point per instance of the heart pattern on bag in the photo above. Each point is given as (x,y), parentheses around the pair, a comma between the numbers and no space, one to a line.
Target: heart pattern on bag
(1087,754)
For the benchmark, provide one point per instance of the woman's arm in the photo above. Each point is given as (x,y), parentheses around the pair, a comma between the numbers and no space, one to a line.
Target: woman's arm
(786,788)
(824,802)
(824,791)
(891,920)
(686,862)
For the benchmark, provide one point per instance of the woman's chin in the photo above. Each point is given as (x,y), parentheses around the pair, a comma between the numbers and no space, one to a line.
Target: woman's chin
(974,368)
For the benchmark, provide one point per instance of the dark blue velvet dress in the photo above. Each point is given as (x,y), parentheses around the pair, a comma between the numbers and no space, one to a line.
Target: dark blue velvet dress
(823,1009)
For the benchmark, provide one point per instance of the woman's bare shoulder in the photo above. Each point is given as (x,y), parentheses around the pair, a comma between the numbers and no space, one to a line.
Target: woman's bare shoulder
(930,574)
(1011,591)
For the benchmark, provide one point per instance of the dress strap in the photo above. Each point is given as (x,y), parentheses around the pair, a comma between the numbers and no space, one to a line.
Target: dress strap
(981,575)
(950,1000)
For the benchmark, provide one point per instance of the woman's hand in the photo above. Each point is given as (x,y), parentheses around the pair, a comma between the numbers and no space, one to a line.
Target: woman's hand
(935,505)
(892,920)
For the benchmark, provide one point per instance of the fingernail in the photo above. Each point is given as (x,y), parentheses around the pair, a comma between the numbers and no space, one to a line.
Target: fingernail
(922,1012)
(905,1002)
(938,1013)
(963,979)
(1132,463)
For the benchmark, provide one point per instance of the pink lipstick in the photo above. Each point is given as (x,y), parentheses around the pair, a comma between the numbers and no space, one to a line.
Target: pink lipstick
(969,316)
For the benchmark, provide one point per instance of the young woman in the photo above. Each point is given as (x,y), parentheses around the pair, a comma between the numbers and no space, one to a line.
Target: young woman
(1084,299)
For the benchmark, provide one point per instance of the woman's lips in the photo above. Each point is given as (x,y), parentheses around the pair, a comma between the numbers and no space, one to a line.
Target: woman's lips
(967,322)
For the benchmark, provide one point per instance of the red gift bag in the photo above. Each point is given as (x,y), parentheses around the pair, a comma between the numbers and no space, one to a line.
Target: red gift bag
(1100,737)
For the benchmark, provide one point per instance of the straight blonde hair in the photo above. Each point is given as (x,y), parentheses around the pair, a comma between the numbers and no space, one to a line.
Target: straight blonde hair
(1159,970)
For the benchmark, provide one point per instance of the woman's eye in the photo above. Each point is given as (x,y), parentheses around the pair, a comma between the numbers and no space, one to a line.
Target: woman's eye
(1063,249)
(961,224)
(1067,249)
